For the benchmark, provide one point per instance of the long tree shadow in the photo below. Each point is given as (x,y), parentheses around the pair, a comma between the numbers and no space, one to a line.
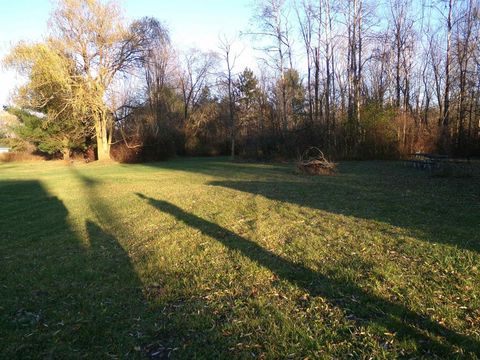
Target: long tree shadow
(437,210)
(163,334)
(220,167)
(62,295)
(343,293)
(441,212)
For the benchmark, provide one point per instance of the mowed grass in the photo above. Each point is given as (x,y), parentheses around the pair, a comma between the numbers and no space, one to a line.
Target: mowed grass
(202,258)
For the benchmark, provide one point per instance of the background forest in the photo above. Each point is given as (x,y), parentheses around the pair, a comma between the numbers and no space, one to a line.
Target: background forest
(359,79)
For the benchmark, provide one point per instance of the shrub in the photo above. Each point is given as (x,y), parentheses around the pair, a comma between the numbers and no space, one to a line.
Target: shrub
(21,156)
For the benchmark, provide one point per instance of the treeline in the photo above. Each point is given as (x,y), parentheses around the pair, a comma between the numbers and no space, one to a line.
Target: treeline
(354,78)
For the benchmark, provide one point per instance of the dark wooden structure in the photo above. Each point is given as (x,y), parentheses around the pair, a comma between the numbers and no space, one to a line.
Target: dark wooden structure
(440,164)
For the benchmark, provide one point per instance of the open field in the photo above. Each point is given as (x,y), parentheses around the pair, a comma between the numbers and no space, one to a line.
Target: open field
(210,259)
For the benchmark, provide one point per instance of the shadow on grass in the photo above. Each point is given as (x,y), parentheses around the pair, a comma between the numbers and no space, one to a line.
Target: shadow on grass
(430,337)
(218,166)
(444,214)
(436,210)
(62,296)
(163,333)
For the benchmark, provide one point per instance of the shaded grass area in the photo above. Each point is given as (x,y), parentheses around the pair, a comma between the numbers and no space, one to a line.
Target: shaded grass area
(205,258)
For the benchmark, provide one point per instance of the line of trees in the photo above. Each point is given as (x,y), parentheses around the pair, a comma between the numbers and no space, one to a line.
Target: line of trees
(355,78)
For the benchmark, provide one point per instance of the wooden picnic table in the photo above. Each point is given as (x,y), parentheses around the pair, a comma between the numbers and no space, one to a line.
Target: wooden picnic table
(425,161)
(439,163)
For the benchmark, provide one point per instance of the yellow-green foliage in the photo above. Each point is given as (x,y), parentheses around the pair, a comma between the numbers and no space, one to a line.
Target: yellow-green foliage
(54,90)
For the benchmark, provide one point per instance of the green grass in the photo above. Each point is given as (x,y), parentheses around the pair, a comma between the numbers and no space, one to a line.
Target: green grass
(202,258)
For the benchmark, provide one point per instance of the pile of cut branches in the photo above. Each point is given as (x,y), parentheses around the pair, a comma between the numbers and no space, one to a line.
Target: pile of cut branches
(313,162)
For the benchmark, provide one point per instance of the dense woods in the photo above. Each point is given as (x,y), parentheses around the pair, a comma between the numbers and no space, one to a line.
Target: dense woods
(355,78)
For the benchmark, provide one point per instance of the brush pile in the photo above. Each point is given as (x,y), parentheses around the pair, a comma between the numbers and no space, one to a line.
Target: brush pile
(313,162)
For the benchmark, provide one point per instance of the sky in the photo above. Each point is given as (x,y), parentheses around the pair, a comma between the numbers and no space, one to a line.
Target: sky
(192,23)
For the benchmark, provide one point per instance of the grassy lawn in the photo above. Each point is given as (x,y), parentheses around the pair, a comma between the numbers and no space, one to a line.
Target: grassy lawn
(209,259)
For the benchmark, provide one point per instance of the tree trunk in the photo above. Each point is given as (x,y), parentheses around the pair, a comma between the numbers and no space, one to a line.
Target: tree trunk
(317,85)
(66,154)
(103,149)
(103,143)
(446,100)
(232,149)
(231,110)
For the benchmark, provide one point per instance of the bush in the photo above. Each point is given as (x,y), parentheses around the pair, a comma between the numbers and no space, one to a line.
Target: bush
(149,148)
(21,156)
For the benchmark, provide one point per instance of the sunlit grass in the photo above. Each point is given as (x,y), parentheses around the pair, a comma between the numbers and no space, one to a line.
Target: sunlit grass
(206,258)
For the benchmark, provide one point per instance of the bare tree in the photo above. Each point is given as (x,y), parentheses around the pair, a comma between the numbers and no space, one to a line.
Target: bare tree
(196,68)
(229,57)
(446,93)
(156,64)
(273,25)
(306,14)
